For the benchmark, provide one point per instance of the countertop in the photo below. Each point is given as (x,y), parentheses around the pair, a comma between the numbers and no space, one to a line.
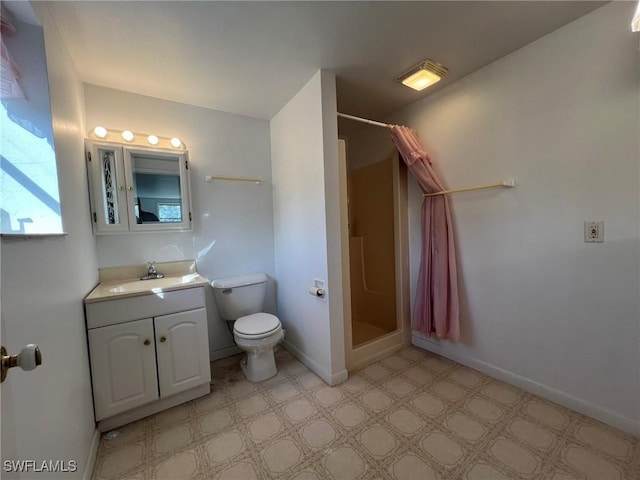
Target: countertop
(178,276)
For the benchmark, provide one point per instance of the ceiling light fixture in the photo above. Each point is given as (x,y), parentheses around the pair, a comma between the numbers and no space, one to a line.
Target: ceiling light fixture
(422,75)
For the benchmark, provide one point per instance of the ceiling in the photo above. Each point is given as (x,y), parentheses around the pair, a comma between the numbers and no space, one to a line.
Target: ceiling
(250,58)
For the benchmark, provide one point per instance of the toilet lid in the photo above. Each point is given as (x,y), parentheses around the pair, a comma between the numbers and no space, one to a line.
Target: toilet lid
(257,324)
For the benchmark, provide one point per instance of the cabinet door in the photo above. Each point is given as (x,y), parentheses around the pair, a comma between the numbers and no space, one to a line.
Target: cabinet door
(182,346)
(123,367)
(157,189)
(108,189)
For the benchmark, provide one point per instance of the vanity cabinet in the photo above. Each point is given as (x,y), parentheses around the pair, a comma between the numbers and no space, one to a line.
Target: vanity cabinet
(142,365)
(137,189)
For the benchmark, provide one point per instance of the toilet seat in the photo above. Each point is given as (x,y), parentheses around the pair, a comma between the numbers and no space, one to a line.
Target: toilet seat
(256,326)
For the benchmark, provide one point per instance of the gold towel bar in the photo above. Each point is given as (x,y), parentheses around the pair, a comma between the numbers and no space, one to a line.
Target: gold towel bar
(211,178)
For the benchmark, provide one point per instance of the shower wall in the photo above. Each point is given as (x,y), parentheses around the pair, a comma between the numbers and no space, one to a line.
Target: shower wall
(372,251)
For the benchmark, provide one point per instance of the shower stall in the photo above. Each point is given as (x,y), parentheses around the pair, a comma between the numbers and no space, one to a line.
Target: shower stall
(371,251)
(376,273)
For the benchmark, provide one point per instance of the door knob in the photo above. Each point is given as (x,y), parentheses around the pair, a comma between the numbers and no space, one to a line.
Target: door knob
(28,359)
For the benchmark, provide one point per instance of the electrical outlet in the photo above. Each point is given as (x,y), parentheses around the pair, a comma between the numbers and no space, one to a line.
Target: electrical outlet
(594,232)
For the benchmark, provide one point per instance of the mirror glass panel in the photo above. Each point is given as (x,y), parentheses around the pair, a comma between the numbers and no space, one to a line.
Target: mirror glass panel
(157,193)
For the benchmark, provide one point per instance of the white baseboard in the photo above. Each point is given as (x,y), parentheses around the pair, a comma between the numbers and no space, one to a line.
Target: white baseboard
(331,379)
(586,408)
(87,473)
(339,377)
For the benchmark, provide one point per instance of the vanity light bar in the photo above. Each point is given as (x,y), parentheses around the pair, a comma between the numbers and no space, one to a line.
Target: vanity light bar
(133,138)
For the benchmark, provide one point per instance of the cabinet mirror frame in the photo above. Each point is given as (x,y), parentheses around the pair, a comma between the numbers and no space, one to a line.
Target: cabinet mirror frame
(112,187)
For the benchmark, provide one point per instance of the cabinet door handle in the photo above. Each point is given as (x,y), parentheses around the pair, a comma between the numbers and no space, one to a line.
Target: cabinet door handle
(147,342)
(163,339)
(130,188)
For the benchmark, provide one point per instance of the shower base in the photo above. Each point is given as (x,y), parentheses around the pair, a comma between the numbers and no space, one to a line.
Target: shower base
(365,332)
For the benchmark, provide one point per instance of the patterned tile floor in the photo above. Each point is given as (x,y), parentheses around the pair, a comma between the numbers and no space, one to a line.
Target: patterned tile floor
(412,415)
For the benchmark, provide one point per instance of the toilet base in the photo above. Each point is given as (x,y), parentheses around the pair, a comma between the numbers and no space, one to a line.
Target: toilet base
(259,366)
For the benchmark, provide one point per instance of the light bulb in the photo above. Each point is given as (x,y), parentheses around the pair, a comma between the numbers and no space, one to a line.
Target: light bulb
(421,79)
(152,139)
(176,143)
(127,135)
(100,132)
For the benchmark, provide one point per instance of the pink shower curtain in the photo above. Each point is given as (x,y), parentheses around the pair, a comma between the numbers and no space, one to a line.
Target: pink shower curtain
(436,308)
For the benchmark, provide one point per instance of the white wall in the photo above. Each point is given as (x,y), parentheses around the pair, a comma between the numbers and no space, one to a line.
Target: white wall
(303,151)
(540,307)
(233,222)
(43,284)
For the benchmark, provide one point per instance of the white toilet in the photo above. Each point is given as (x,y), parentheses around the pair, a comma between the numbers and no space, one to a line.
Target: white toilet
(239,299)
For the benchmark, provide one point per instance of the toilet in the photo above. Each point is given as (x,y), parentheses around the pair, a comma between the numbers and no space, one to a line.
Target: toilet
(239,300)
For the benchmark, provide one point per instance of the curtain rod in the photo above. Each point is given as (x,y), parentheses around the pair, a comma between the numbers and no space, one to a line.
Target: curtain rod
(507,183)
(364,120)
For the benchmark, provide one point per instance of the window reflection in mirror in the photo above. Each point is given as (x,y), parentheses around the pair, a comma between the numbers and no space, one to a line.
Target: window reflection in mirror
(157,194)
(29,196)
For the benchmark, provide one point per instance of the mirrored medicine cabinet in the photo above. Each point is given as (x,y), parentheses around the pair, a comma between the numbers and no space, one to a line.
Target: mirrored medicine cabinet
(137,189)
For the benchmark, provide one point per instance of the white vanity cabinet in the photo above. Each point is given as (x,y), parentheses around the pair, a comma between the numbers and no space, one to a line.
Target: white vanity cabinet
(148,353)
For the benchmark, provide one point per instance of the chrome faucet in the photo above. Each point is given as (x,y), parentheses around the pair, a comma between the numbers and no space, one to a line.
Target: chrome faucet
(152,271)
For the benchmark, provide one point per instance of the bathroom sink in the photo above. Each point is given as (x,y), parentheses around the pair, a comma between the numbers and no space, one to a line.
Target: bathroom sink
(132,287)
(152,283)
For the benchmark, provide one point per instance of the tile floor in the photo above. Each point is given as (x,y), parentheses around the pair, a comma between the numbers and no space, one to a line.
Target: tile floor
(412,415)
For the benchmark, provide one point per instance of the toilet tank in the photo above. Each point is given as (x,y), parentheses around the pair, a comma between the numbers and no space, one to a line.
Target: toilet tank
(239,296)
